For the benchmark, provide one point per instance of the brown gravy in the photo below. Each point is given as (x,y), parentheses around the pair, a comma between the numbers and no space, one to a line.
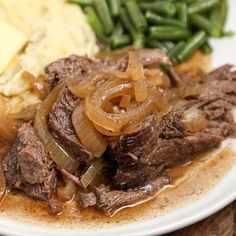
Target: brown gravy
(190,182)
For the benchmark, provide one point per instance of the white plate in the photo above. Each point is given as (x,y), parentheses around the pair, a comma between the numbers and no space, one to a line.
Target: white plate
(221,195)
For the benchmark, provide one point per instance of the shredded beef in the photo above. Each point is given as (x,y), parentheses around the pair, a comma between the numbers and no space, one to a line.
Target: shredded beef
(157,144)
(68,68)
(27,166)
(110,201)
(61,126)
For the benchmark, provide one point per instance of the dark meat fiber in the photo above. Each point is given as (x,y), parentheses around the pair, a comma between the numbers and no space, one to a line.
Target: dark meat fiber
(158,144)
(27,166)
(61,126)
(110,201)
(68,68)
(155,145)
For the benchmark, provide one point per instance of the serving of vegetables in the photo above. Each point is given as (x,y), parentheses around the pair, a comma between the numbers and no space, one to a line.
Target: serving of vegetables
(179,27)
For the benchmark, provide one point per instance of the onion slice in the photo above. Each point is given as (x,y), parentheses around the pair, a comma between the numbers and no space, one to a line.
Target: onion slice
(140,90)
(135,67)
(194,120)
(125,101)
(91,173)
(63,159)
(90,138)
(89,84)
(95,103)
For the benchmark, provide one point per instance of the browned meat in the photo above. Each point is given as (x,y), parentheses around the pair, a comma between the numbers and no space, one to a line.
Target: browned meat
(73,66)
(55,207)
(27,166)
(61,126)
(220,94)
(148,57)
(156,145)
(160,144)
(220,224)
(68,68)
(111,201)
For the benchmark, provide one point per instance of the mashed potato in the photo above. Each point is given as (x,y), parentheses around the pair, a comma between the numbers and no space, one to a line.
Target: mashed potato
(55,29)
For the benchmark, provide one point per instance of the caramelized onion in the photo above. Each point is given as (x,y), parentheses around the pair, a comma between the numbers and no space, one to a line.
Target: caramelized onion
(91,173)
(83,89)
(194,120)
(63,159)
(95,103)
(140,90)
(38,84)
(135,67)
(125,101)
(90,138)
(124,130)
(156,77)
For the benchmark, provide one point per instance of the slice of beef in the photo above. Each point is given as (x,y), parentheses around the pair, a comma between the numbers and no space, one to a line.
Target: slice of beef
(111,201)
(61,126)
(74,66)
(68,68)
(220,94)
(27,166)
(158,144)
(148,57)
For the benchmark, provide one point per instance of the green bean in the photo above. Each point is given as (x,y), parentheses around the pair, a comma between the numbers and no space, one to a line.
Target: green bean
(155,44)
(168,33)
(196,41)
(215,18)
(228,33)
(139,40)
(182,13)
(115,7)
(83,3)
(206,48)
(168,45)
(159,20)
(136,15)
(118,41)
(127,22)
(223,11)
(162,7)
(94,21)
(187,1)
(118,30)
(202,6)
(203,23)
(104,14)
(173,53)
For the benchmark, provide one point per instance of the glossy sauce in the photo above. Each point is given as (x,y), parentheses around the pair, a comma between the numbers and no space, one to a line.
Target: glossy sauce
(190,182)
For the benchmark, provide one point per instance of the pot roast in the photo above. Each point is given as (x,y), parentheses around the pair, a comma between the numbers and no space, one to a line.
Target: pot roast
(136,158)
